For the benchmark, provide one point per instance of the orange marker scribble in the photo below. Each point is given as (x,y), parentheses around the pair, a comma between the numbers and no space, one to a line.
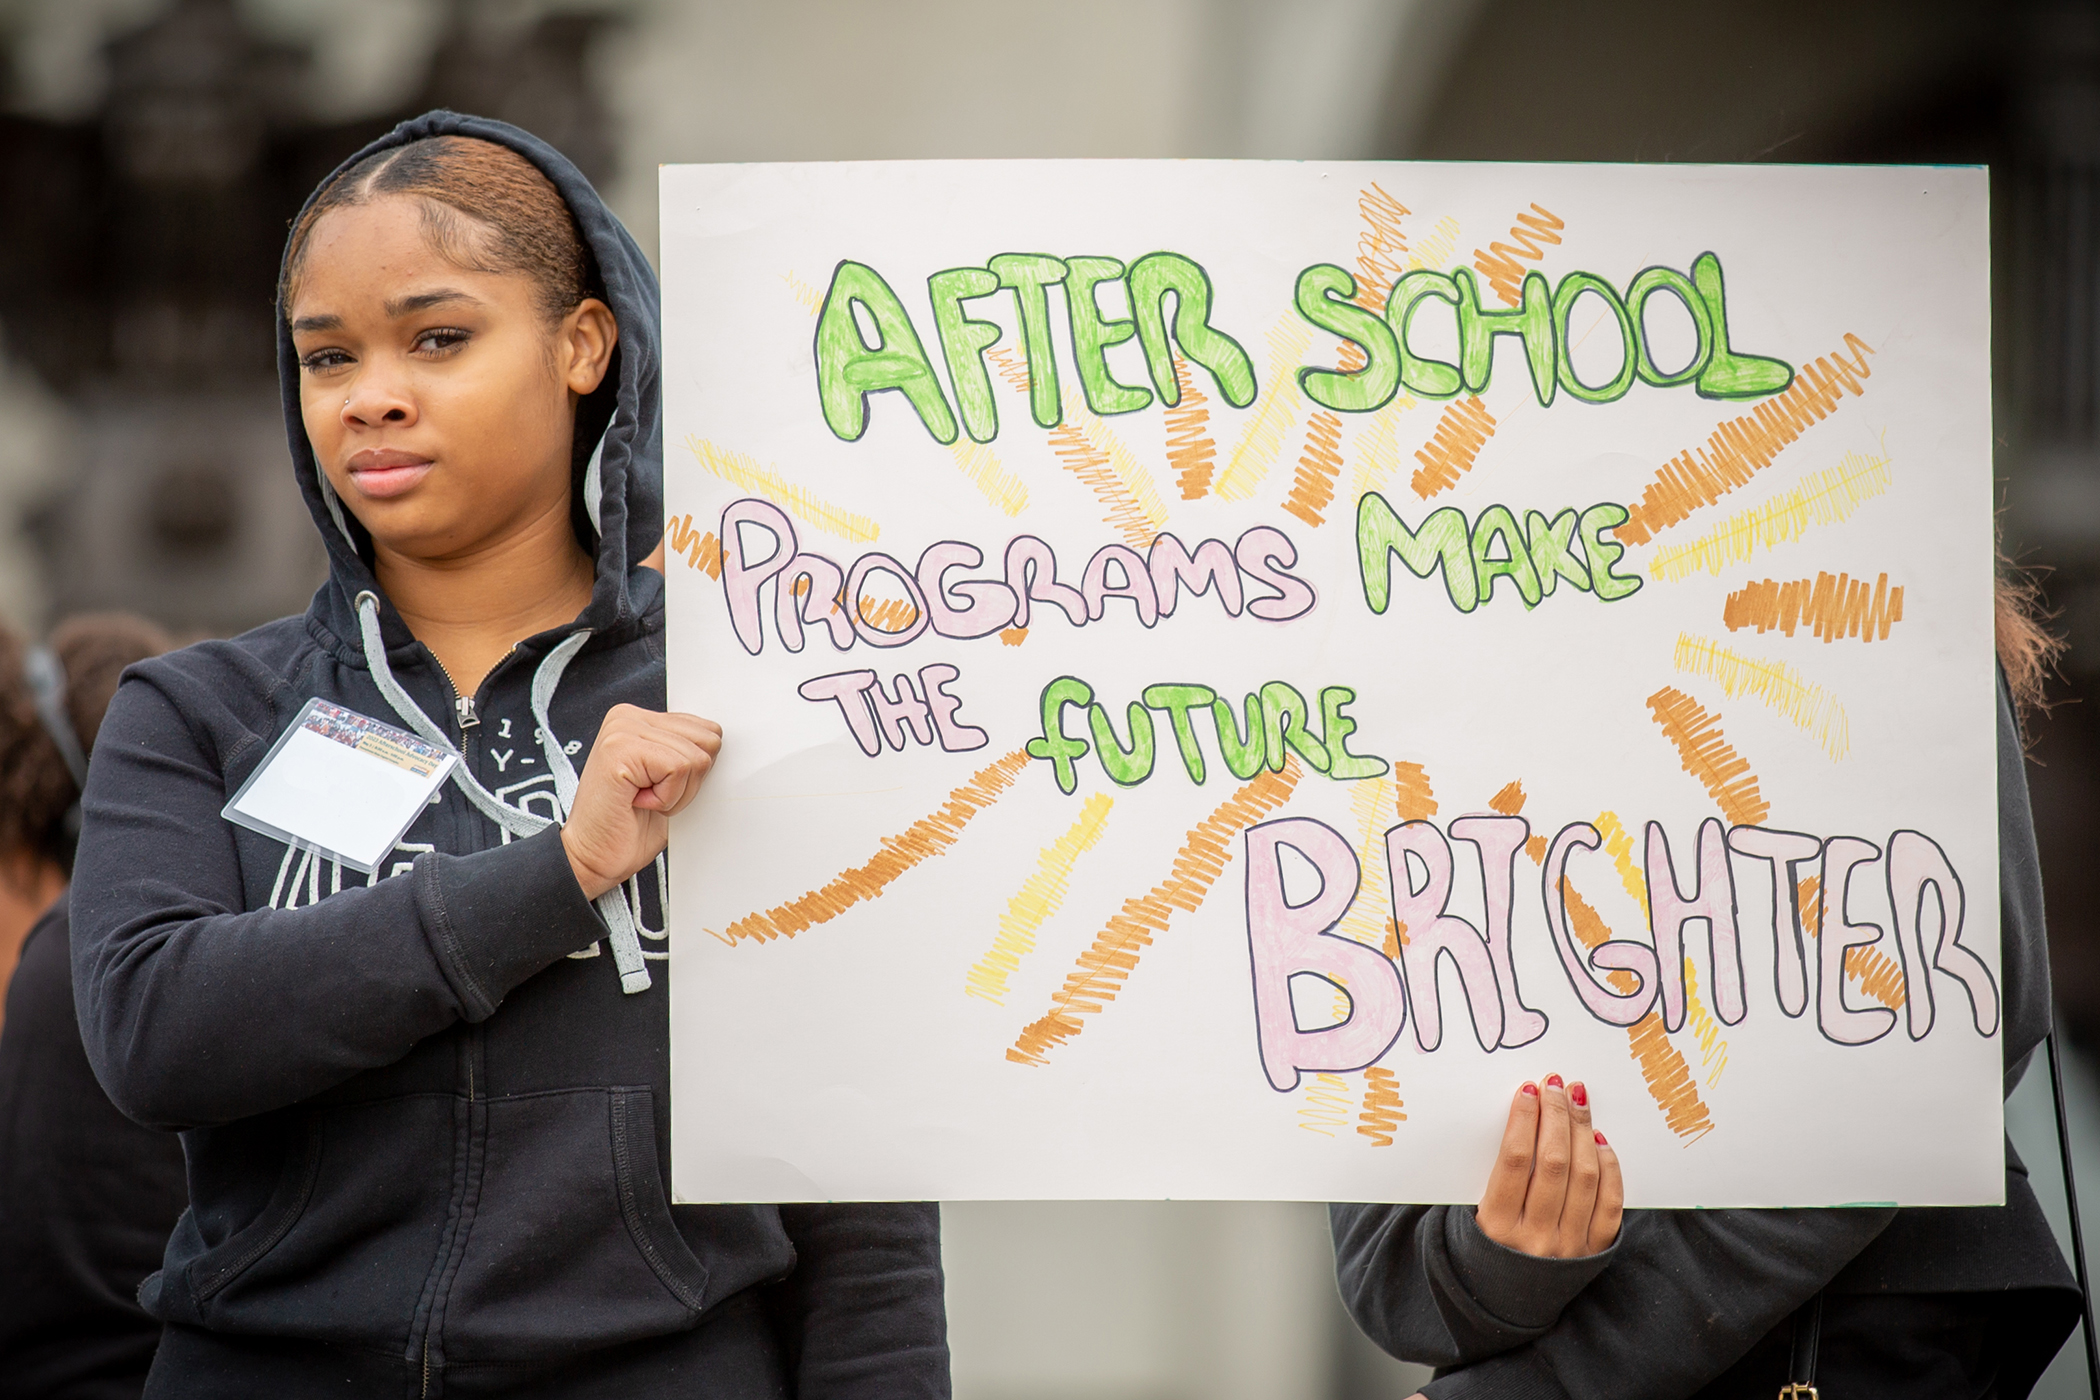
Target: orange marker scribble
(923,839)
(1381,249)
(1709,757)
(1450,451)
(699,549)
(1834,606)
(1742,447)
(890,615)
(1013,636)
(1384,1109)
(1103,968)
(1011,369)
(1664,1069)
(1190,450)
(1498,262)
(1509,800)
(1878,975)
(1318,469)
(1413,799)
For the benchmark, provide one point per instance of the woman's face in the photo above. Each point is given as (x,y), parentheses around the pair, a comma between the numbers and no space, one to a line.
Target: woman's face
(439,401)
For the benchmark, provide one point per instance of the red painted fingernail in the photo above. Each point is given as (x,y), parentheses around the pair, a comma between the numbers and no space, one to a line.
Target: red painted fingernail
(1600,1140)
(1580,1095)
(1531,1089)
(1552,1081)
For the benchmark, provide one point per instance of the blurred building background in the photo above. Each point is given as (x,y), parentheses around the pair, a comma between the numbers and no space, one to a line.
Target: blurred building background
(152,152)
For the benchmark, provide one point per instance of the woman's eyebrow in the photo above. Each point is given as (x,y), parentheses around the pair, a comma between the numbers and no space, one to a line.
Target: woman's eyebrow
(422,301)
(318,323)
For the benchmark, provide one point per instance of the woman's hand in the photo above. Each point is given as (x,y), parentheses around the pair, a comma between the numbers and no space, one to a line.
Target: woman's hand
(644,767)
(1555,1191)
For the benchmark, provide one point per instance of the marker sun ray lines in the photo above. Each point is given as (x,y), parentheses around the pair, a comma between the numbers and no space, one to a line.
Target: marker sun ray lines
(1261,441)
(1190,451)
(1809,708)
(1742,447)
(1708,756)
(746,474)
(1094,454)
(1384,1109)
(1327,1105)
(1820,498)
(1040,896)
(1104,967)
(1460,433)
(1498,263)
(923,839)
(1833,606)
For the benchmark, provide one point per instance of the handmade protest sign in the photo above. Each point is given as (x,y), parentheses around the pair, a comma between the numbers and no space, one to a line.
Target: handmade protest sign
(1228,669)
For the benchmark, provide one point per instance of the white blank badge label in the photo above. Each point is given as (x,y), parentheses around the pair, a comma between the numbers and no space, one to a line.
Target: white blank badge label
(342,783)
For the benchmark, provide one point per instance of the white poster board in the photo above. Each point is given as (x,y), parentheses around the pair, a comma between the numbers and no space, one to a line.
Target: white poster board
(1113,578)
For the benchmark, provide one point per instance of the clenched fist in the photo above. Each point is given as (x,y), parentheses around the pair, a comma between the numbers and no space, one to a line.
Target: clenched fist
(644,768)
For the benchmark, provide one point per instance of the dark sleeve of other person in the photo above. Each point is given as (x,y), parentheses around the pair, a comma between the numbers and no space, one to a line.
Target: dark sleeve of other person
(87,1198)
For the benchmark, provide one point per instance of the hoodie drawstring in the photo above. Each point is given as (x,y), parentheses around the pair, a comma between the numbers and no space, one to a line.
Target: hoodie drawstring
(612,905)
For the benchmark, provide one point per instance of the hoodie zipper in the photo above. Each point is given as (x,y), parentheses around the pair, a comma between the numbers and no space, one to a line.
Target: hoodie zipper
(465,712)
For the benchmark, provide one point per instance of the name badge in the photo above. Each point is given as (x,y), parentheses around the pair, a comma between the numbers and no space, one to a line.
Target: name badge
(341,784)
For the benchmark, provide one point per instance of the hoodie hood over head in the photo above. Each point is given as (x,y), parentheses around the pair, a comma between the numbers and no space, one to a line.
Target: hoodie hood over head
(617,461)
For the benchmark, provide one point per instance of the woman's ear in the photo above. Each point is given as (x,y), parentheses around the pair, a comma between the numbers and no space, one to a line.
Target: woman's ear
(584,345)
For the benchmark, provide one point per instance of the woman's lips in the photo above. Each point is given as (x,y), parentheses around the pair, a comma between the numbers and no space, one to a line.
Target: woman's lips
(378,475)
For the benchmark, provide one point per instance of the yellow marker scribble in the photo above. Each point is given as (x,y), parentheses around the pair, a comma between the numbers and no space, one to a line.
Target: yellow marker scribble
(1833,606)
(1040,896)
(812,300)
(1498,262)
(1000,486)
(1274,412)
(1370,919)
(1820,498)
(1664,1070)
(1384,1109)
(1107,964)
(1742,447)
(1709,757)
(746,474)
(1327,1105)
(1809,708)
(922,840)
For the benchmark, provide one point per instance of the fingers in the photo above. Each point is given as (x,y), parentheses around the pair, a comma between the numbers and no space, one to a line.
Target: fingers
(1584,1177)
(1502,1204)
(1549,1170)
(1610,1210)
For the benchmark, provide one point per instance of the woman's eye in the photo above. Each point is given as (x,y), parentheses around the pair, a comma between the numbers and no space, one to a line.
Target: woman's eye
(321,361)
(437,342)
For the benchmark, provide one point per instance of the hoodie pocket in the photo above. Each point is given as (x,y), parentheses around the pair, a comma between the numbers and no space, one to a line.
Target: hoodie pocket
(572,1244)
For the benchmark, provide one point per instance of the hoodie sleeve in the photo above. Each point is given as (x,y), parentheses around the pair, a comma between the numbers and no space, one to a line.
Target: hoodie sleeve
(863,1316)
(196,1011)
(1688,1293)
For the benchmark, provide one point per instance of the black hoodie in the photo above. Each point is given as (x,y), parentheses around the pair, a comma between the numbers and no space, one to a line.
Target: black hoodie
(426,1115)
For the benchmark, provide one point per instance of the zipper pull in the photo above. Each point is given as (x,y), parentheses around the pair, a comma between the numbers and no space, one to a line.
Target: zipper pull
(464,705)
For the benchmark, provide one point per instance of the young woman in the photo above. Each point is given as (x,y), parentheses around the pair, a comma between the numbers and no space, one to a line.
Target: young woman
(87,1196)
(426,1112)
(1542,1290)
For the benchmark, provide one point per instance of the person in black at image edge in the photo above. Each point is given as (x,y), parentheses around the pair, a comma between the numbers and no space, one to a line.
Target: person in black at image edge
(427,1115)
(87,1197)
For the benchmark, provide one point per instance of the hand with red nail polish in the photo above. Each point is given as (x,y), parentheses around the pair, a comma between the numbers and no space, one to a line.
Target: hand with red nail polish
(1555,1191)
